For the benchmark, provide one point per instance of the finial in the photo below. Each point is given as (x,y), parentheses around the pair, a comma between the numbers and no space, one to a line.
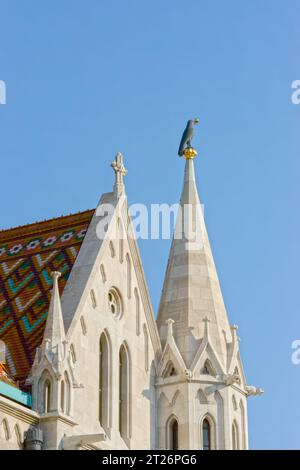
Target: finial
(185,147)
(54,330)
(190,153)
(55,275)
(170,323)
(120,171)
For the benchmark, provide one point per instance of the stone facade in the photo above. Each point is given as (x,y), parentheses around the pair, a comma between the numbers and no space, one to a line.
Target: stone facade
(108,376)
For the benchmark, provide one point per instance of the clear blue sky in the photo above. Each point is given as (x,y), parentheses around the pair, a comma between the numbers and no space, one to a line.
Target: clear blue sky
(87,78)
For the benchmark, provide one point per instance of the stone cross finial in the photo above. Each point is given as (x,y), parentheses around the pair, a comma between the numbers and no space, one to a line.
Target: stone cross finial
(120,171)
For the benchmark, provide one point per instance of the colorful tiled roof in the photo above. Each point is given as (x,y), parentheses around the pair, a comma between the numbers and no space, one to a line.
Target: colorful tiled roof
(28,255)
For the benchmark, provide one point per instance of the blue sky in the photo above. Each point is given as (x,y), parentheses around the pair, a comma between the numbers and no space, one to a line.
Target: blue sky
(86,79)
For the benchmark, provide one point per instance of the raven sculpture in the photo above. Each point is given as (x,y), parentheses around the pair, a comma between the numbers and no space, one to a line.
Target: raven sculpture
(187,136)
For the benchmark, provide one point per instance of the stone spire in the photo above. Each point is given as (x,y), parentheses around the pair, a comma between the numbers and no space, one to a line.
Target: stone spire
(55,330)
(191,293)
(120,171)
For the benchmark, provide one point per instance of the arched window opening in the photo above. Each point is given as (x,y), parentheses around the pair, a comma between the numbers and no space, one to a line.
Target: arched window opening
(73,353)
(18,436)
(146,345)
(47,396)
(206,435)
(207,369)
(235,436)
(6,430)
(67,394)
(93,298)
(137,311)
(103,381)
(62,396)
(112,249)
(170,370)
(102,271)
(128,267)
(121,241)
(83,325)
(174,434)
(124,393)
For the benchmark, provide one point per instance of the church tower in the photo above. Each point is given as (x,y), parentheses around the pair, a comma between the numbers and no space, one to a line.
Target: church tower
(201,386)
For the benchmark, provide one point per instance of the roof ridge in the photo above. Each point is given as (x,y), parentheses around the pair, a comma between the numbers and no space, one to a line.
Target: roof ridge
(26,227)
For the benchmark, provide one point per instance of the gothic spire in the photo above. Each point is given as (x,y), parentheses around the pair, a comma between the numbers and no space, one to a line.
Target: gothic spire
(55,331)
(191,291)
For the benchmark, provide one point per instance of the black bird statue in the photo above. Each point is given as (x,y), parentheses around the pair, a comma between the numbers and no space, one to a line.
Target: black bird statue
(187,136)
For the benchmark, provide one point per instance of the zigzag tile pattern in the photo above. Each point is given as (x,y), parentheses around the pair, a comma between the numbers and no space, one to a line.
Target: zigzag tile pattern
(28,254)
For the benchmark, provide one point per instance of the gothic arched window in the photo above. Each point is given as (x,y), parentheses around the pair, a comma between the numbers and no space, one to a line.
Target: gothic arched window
(83,325)
(207,368)
(44,395)
(128,264)
(121,241)
(124,393)
(18,436)
(174,434)
(73,353)
(137,311)
(169,370)
(146,345)
(6,430)
(47,396)
(104,377)
(235,436)
(62,396)
(112,249)
(103,274)
(67,394)
(206,435)
(93,298)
